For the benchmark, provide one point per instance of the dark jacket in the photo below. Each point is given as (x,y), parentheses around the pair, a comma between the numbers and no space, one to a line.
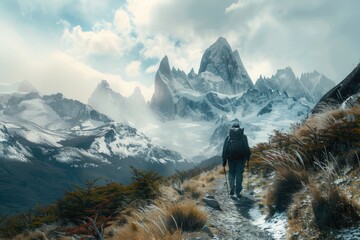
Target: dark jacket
(225,152)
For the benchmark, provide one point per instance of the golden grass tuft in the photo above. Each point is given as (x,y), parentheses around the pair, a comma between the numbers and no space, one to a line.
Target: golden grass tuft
(162,222)
(326,119)
(191,188)
(137,231)
(186,217)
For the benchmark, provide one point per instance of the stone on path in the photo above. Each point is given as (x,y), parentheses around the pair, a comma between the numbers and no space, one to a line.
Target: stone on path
(212,202)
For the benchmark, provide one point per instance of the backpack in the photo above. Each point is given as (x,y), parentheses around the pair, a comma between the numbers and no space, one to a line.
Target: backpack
(236,147)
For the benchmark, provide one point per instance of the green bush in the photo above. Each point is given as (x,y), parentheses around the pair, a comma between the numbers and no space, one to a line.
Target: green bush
(145,184)
(87,207)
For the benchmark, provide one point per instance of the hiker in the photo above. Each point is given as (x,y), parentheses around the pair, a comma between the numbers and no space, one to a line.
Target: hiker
(236,152)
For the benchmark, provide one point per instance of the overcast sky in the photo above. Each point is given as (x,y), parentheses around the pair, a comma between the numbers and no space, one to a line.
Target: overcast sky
(68,46)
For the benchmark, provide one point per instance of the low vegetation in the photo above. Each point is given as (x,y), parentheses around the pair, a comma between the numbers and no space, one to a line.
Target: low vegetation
(87,210)
(186,217)
(311,173)
(309,164)
(151,207)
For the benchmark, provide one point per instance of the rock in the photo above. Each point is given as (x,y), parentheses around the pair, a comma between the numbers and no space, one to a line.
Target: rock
(207,230)
(221,61)
(340,181)
(163,99)
(338,94)
(212,202)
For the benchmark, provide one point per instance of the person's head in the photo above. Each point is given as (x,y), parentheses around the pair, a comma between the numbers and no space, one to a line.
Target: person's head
(236,125)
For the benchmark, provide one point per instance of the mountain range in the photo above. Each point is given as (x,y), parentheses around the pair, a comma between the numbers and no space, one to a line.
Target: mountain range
(49,143)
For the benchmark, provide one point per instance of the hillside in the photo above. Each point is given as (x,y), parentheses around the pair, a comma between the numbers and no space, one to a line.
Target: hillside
(302,185)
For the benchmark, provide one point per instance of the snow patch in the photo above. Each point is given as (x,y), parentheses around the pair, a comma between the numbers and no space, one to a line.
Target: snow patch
(211,77)
(276,225)
(349,234)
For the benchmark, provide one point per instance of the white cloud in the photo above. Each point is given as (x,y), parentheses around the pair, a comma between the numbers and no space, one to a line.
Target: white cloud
(259,67)
(85,43)
(133,69)
(234,6)
(54,71)
(142,11)
(152,69)
(304,36)
(122,22)
(64,73)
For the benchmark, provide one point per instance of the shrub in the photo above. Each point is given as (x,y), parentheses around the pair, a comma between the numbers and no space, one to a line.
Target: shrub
(145,184)
(186,217)
(332,208)
(84,203)
(288,181)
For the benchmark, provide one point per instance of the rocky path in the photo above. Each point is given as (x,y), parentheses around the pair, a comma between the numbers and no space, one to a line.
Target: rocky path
(234,221)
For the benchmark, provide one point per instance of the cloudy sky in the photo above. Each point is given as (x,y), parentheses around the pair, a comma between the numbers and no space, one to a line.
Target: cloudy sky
(68,46)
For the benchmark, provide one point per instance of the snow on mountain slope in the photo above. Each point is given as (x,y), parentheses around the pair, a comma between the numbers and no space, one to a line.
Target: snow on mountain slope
(284,81)
(41,164)
(260,120)
(53,112)
(69,131)
(132,109)
(231,76)
(316,84)
(311,86)
(194,110)
(221,71)
(10,149)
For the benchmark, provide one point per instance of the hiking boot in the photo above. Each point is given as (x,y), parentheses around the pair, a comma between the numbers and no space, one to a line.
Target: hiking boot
(238,195)
(232,192)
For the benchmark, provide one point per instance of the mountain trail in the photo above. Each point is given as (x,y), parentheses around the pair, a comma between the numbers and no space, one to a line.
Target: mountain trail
(234,221)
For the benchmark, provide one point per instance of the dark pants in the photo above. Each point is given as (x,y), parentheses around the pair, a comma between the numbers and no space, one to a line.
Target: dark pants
(236,170)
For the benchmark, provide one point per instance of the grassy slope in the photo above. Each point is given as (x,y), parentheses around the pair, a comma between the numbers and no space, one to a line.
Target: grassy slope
(311,173)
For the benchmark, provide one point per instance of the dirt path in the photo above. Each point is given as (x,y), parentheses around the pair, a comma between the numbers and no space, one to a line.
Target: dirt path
(234,221)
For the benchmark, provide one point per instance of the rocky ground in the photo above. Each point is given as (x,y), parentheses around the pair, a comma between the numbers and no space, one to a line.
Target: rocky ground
(234,220)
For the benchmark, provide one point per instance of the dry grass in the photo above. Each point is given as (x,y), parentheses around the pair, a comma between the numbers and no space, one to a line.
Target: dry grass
(146,223)
(323,205)
(191,188)
(162,222)
(31,235)
(186,217)
(157,221)
(326,119)
(301,218)
(135,231)
(196,187)
(287,182)
(332,208)
(171,214)
(207,178)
